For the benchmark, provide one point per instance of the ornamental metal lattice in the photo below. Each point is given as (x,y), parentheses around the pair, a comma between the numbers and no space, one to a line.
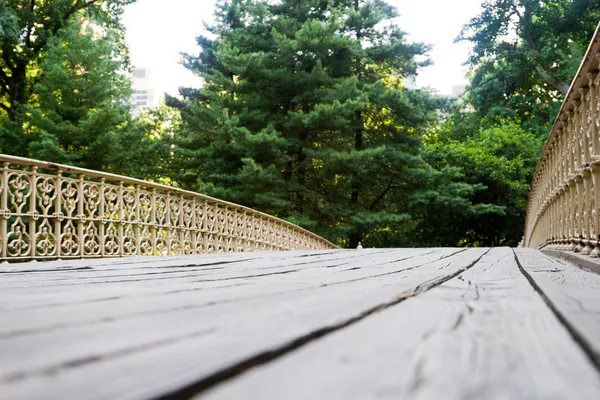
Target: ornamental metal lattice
(51,211)
(563,210)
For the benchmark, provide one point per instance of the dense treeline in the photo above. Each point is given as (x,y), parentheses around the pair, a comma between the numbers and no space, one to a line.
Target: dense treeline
(304,112)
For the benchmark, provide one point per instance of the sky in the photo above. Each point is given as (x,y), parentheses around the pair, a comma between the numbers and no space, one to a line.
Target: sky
(158,31)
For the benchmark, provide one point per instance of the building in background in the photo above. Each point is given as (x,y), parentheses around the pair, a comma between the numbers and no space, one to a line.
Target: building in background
(144,96)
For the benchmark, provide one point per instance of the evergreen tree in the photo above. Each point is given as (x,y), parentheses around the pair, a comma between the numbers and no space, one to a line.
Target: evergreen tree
(304,114)
(81,107)
(63,85)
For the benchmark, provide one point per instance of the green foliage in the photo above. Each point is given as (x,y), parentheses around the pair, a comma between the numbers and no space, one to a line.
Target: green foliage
(27,29)
(525,53)
(143,150)
(64,88)
(497,163)
(80,99)
(304,115)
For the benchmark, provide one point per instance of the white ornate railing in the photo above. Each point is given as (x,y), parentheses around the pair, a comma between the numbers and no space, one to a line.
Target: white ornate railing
(52,211)
(563,212)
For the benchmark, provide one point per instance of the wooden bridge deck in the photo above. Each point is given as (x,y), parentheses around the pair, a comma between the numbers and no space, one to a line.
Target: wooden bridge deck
(347,324)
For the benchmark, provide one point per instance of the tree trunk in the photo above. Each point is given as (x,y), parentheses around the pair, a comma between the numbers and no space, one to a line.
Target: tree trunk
(559,85)
(17,93)
(354,240)
(355,235)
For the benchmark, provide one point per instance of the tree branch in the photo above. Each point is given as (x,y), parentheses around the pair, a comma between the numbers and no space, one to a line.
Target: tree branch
(77,6)
(382,195)
(545,71)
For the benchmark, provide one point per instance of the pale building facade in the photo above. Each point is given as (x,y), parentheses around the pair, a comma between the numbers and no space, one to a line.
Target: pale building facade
(144,96)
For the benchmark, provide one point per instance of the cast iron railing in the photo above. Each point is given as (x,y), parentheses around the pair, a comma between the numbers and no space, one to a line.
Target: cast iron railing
(563,213)
(52,211)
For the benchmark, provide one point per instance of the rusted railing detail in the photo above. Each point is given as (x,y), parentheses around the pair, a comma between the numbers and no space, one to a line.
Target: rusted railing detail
(52,211)
(563,212)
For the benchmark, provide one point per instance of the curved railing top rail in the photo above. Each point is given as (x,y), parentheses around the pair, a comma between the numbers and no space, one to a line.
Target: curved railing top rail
(581,80)
(50,210)
(561,210)
(69,169)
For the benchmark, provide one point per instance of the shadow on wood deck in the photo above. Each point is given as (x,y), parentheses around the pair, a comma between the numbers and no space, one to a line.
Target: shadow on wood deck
(341,324)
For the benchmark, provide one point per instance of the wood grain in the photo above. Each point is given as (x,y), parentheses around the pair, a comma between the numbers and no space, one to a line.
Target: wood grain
(145,355)
(486,334)
(573,292)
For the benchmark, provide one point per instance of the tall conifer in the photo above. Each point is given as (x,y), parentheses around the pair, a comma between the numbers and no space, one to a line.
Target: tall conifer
(304,114)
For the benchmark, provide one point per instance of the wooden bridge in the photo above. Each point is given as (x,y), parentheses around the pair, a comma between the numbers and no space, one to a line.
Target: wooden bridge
(333,324)
(148,291)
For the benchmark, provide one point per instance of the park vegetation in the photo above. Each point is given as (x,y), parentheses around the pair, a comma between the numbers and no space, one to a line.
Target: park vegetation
(304,112)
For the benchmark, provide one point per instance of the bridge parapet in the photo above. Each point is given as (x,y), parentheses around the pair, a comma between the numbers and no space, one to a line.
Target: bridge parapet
(53,211)
(563,212)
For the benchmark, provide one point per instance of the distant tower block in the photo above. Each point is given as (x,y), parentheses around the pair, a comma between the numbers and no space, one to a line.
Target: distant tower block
(144,94)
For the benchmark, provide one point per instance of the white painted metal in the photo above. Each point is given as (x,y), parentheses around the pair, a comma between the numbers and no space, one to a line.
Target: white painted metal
(52,211)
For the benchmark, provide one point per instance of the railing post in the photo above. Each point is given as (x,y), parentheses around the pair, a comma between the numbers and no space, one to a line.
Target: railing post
(244,232)
(206,226)
(5,212)
(80,215)
(58,213)
(121,219)
(595,212)
(153,223)
(181,227)
(102,217)
(33,214)
(194,226)
(169,226)
(138,220)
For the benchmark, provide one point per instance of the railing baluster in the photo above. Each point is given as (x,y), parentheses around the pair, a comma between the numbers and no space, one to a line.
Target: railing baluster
(5,212)
(80,215)
(58,213)
(122,217)
(102,218)
(194,226)
(153,223)
(138,220)
(181,227)
(33,215)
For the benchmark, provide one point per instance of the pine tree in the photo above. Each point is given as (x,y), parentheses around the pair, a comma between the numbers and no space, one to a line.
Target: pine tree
(81,108)
(304,114)
(63,84)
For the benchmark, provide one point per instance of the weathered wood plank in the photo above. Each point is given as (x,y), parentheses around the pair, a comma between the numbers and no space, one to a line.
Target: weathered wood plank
(15,282)
(231,276)
(486,334)
(22,320)
(161,353)
(133,266)
(573,292)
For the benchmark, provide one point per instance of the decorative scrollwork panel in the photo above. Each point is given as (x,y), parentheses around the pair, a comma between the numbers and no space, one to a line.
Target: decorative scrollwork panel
(50,211)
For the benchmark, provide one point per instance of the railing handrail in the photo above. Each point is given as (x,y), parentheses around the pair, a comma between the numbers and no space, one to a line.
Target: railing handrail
(55,211)
(562,210)
(150,185)
(592,49)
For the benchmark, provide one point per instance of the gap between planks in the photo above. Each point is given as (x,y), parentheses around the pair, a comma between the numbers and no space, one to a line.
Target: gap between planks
(425,281)
(423,349)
